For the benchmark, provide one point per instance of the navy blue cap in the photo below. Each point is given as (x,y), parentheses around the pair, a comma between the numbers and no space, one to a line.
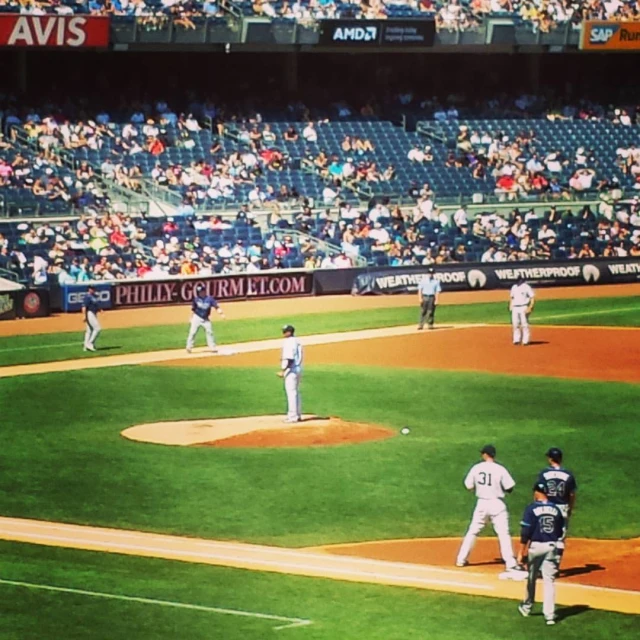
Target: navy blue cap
(555,454)
(541,487)
(288,329)
(489,449)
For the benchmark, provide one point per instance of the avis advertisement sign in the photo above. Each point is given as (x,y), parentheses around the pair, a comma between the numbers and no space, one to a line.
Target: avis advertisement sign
(378,33)
(53,31)
(610,36)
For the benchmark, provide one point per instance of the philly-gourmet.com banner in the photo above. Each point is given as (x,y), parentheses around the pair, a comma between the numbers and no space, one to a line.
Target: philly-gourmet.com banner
(235,287)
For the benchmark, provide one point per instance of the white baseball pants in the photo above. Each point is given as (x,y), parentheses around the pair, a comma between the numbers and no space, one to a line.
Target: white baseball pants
(520,324)
(542,558)
(92,331)
(196,323)
(496,512)
(292,390)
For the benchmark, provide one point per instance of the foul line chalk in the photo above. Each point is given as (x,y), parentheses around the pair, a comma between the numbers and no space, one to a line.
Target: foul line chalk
(290,622)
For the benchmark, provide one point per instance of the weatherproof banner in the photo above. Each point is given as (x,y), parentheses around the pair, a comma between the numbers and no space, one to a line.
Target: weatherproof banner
(457,277)
(51,30)
(610,36)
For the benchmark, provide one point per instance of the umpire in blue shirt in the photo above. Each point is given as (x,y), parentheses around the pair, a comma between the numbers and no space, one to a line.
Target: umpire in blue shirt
(428,293)
(542,528)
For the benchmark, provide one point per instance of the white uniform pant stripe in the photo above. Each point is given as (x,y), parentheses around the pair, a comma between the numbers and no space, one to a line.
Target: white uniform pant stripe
(92,331)
(496,512)
(520,324)
(196,323)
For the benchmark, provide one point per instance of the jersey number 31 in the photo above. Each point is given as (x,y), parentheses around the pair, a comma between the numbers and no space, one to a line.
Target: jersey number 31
(484,478)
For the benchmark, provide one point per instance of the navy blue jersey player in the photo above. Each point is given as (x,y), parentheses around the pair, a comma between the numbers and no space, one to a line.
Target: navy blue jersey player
(201,317)
(542,529)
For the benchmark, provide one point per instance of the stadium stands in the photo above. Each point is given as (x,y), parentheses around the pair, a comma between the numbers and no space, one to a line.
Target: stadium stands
(115,246)
(453,15)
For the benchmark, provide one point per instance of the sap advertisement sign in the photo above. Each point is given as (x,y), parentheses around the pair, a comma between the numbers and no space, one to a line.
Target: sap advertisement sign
(377,33)
(73,296)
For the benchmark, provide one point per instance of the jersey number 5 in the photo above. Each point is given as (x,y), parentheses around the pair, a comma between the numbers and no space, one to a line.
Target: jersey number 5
(547,524)
(484,478)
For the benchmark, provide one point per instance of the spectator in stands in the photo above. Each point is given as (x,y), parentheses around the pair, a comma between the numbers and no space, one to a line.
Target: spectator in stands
(586,252)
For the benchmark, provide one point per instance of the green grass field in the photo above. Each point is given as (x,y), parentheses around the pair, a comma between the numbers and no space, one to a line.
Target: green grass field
(63,459)
(337,611)
(62,346)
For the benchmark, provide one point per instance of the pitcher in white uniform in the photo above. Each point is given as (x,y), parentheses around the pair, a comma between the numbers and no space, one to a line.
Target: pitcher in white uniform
(490,481)
(290,372)
(521,303)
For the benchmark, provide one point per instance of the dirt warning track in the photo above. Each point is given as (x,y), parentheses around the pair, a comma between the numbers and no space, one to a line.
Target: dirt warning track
(303,562)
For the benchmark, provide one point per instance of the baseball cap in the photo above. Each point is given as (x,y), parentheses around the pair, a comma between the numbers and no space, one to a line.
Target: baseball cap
(541,487)
(489,449)
(555,454)
(431,270)
(199,288)
(288,329)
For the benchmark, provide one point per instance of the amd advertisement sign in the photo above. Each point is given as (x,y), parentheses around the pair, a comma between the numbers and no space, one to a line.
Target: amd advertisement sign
(498,276)
(378,33)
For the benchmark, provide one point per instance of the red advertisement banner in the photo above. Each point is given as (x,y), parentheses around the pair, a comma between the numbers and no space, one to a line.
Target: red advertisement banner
(53,31)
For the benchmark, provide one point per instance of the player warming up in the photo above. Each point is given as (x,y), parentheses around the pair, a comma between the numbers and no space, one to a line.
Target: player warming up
(561,490)
(490,481)
(290,372)
(201,308)
(521,305)
(542,528)
(91,309)
(429,295)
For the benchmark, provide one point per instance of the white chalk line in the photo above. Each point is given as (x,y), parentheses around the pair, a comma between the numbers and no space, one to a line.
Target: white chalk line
(599,312)
(291,622)
(77,343)
(225,558)
(153,357)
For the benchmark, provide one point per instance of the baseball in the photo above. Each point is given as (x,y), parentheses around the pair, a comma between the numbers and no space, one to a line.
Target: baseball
(405,431)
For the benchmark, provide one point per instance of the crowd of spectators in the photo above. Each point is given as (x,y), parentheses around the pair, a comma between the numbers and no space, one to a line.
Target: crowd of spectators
(425,235)
(451,15)
(116,246)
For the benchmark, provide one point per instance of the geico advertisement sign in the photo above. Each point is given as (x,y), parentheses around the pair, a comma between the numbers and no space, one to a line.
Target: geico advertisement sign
(53,31)
(77,297)
(610,36)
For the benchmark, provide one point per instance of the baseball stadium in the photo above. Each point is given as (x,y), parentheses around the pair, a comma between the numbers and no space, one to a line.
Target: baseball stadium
(319,320)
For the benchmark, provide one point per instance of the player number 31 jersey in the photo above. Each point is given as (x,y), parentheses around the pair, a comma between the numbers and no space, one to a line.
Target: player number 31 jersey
(490,480)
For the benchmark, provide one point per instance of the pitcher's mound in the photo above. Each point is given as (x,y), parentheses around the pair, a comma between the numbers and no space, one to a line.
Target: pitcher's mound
(257,431)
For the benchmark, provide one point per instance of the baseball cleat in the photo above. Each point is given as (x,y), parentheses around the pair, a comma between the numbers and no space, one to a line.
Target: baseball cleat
(550,622)
(462,564)
(523,612)
(90,348)
(517,567)
(188,350)
(420,328)
(291,420)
